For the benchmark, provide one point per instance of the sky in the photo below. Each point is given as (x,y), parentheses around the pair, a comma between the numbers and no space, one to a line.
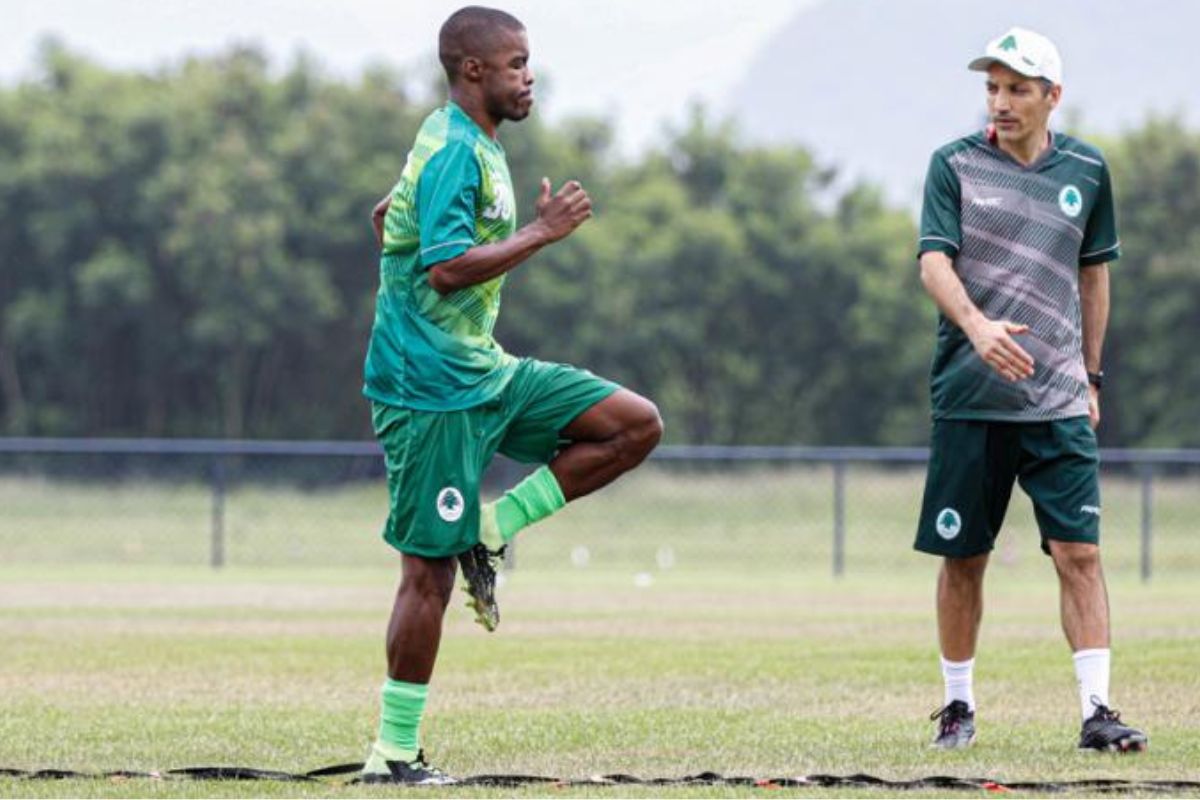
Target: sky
(638,62)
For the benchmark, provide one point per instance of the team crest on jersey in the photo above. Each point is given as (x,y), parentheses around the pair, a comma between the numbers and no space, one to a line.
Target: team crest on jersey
(1070,201)
(949,523)
(450,504)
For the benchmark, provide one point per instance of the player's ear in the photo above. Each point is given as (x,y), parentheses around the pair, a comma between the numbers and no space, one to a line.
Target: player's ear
(1055,95)
(1052,92)
(471,69)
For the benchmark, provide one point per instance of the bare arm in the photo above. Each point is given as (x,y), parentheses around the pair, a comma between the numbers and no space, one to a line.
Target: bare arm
(992,339)
(377,216)
(1093,301)
(557,217)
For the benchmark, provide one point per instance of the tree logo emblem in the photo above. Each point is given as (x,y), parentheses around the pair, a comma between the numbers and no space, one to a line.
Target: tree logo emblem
(1070,201)
(450,504)
(949,523)
(1009,43)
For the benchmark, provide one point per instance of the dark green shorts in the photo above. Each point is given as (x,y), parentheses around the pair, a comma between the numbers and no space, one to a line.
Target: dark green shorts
(435,458)
(972,467)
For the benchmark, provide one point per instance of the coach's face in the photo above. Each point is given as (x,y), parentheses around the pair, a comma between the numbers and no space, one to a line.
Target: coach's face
(507,79)
(1018,107)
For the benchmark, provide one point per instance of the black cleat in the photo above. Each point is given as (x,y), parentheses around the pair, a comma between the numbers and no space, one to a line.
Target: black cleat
(956,726)
(1104,731)
(412,773)
(479,567)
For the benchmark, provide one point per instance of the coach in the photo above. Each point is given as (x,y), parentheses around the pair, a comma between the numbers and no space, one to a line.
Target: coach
(1017,231)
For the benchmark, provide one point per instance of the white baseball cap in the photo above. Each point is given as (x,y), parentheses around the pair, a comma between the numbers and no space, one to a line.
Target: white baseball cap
(1023,51)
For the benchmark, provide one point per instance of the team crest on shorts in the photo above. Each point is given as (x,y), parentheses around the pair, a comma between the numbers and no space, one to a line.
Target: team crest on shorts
(949,523)
(1070,201)
(450,504)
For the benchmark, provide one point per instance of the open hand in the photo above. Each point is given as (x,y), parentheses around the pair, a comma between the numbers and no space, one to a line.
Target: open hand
(993,341)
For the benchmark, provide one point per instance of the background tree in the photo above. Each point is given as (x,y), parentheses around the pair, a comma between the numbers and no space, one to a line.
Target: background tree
(1153,368)
(187,253)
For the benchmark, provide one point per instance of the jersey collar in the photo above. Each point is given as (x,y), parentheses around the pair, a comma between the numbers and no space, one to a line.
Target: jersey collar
(1048,154)
(454,109)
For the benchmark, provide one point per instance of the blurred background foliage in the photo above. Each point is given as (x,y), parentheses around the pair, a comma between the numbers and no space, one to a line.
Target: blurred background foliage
(187,252)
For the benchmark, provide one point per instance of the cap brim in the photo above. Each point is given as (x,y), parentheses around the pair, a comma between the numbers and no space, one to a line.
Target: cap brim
(982,63)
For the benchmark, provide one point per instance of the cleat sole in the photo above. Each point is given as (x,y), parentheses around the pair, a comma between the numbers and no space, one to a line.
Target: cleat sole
(388,780)
(1131,745)
(479,574)
(947,748)
(481,616)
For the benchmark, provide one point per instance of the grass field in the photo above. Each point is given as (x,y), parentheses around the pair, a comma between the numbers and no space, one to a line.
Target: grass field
(741,655)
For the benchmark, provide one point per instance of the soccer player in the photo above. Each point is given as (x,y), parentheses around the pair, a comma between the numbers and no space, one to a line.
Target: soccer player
(1017,231)
(445,397)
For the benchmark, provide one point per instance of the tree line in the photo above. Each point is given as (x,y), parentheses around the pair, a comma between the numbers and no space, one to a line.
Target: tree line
(186,252)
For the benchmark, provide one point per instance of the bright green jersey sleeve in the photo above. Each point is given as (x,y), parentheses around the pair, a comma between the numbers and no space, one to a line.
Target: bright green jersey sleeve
(941,216)
(431,351)
(1100,242)
(447,198)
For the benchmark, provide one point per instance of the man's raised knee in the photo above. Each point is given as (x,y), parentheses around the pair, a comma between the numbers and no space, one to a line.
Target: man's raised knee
(643,430)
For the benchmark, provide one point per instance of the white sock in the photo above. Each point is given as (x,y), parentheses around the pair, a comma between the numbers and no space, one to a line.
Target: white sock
(958,677)
(1091,670)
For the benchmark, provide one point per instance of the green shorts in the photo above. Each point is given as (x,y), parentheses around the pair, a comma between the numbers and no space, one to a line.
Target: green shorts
(972,467)
(435,458)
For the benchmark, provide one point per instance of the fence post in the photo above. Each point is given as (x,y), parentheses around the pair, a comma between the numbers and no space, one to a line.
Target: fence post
(839,518)
(217,551)
(1147,473)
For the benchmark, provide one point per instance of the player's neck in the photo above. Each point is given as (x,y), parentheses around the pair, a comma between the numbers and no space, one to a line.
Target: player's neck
(474,108)
(1028,149)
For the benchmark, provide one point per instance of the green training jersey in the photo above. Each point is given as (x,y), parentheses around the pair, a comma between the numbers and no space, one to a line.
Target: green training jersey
(1018,236)
(428,351)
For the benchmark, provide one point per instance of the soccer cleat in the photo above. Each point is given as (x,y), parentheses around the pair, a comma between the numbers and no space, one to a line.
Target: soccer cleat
(956,726)
(1104,731)
(412,773)
(479,567)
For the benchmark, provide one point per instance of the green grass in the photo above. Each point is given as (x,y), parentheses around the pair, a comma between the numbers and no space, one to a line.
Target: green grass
(743,657)
(768,676)
(706,517)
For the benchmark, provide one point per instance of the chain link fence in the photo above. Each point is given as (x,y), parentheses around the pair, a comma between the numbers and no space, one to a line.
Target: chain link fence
(748,509)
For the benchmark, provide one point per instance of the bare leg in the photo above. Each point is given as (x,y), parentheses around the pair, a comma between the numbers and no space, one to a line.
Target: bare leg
(609,439)
(960,605)
(413,636)
(1084,601)
(415,630)
(1083,594)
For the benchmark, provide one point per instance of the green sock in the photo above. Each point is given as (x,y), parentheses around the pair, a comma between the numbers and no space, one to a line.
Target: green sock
(533,499)
(400,719)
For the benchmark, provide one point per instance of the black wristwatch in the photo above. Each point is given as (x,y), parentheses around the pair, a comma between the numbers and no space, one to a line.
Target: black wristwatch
(1096,379)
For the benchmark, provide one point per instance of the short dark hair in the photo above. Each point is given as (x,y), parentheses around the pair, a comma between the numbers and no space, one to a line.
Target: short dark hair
(471,31)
